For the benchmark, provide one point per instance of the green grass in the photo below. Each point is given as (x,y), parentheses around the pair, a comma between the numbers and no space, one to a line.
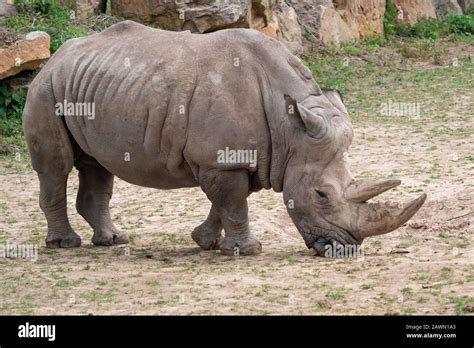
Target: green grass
(336,294)
(461,303)
(332,72)
(48,16)
(453,26)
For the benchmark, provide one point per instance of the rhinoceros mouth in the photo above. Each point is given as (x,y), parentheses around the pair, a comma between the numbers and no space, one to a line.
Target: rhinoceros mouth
(318,237)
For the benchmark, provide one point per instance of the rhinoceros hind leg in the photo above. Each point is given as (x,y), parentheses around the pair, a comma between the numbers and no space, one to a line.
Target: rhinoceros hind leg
(53,204)
(95,191)
(228,192)
(208,235)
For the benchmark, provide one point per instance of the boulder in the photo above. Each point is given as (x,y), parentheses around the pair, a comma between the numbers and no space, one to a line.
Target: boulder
(262,16)
(82,8)
(200,16)
(364,17)
(446,7)
(465,4)
(411,10)
(272,17)
(26,53)
(7,8)
(289,30)
(277,20)
(320,23)
(333,30)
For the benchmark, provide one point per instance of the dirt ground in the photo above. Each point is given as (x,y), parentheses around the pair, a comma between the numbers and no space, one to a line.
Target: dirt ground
(425,267)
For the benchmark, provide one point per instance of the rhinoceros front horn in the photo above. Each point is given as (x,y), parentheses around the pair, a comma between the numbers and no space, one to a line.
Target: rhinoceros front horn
(376,219)
(362,190)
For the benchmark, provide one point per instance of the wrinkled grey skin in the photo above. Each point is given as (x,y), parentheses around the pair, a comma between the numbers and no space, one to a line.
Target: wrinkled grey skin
(165,104)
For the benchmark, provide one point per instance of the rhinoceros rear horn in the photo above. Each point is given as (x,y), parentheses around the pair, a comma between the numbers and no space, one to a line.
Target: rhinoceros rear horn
(376,219)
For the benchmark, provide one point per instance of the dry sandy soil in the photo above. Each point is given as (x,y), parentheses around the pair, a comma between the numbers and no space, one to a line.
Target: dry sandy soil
(425,267)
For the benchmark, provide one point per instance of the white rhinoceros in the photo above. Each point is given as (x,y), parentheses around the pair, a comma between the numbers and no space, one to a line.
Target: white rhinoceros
(231,111)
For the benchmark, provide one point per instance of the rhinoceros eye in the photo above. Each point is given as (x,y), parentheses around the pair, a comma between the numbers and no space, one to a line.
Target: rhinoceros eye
(321,195)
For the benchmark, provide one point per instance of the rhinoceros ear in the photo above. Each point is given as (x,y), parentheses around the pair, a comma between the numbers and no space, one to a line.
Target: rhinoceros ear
(335,97)
(301,117)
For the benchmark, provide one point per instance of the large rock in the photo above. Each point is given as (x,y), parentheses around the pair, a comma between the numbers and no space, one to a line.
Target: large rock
(272,17)
(25,54)
(7,8)
(278,20)
(262,16)
(289,30)
(412,10)
(364,17)
(465,4)
(320,23)
(82,8)
(447,7)
(333,30)
(199,16)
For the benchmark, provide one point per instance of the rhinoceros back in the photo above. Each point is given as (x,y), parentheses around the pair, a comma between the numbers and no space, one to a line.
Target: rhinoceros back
(139,89)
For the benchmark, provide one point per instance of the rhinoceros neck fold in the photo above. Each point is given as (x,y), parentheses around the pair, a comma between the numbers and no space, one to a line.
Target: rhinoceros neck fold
(275,122)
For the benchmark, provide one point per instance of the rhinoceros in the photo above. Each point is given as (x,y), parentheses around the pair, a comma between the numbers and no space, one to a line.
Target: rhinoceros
(231,111)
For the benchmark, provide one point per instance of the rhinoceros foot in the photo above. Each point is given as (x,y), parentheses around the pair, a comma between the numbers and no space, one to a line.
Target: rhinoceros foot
(207,236)
(66,239)
(248,246)
(109,237)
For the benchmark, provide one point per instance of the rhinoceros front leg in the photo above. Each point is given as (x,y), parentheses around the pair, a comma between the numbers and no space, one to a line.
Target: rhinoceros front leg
(228,192)
(95,191)
(208,235)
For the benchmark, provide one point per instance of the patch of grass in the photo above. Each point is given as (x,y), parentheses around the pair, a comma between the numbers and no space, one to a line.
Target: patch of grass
(422,299)
(408,310)
(48,16)
(366,286)
(336,294)
(153,282)
(460,303)
(175,239)
(443,235)
(11,111)
(331,72)
(350,49)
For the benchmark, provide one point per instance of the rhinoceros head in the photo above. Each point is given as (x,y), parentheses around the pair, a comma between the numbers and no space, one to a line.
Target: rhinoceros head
(327,205)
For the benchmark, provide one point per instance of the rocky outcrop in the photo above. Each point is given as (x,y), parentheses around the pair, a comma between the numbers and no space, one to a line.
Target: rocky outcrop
(321,23)
(289,30)
(278,20)
(272,17)
(7,8)
(332,29)
(411,10)
(465,4)
(82,8)
(201,16)
(444,8)
(364,17)
(26,53)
